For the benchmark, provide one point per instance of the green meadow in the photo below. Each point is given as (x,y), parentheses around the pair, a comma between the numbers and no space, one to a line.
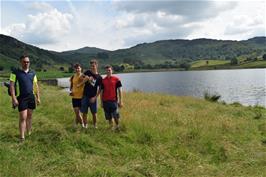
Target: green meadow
(161,135)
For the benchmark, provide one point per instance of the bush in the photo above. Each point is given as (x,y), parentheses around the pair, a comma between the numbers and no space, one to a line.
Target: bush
(62,68)
(212,98)
(264,57)
(186,66)
(234,61)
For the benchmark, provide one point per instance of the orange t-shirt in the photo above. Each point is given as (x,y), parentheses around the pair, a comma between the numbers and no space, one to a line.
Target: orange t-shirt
(77,91)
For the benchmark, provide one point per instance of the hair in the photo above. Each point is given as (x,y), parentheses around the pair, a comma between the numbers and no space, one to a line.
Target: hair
(94,61)
(77,65)
(22,57)
(108,66)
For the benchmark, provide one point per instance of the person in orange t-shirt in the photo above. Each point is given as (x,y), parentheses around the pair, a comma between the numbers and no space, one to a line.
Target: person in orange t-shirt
(76,91)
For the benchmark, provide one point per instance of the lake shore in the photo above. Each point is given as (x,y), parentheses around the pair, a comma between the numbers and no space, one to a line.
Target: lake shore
(161,135)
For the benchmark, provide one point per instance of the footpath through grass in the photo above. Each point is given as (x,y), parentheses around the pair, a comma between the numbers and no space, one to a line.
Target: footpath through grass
(161,135)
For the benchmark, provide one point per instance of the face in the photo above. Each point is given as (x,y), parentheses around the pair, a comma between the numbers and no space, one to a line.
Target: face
(78,69)
(25,63)
(109,71)
(93,66)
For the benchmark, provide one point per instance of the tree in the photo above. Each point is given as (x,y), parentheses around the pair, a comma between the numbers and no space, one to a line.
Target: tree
(264,57)
(71,69)
(234,61)
(103,55)
(186,66)
(62,68)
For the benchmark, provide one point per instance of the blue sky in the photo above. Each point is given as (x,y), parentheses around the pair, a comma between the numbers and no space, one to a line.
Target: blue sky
(115,24)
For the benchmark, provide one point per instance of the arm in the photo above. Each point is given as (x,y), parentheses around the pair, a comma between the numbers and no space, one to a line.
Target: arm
(120,103)
(12,89)
(84,79)
(36,89)
(71,86)
(101,97)
(13,95)
(99,83)
(71,83)
(37,93)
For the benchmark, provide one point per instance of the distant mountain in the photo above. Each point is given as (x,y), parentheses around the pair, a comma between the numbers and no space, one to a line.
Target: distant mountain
(191,50)
(82,55)
(146,53)
(86,50)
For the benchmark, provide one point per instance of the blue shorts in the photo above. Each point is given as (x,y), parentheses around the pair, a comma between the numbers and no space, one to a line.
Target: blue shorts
(110,110)
(85,104)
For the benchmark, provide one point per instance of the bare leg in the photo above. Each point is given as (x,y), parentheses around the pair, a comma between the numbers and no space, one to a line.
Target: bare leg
(22,123)
(85,121)
(116,124)
(78,116)
(116,121)
(110,123)
(94,119)
(29,120)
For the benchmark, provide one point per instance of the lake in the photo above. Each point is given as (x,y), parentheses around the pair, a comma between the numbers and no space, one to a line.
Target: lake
(246,86)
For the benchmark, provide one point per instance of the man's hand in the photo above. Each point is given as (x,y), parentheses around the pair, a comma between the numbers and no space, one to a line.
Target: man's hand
(120,104)
(88,78)
(93,99)
(38,101)
(14,102)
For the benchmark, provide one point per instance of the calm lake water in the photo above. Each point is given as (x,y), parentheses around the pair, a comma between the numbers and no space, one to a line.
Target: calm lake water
(246,86)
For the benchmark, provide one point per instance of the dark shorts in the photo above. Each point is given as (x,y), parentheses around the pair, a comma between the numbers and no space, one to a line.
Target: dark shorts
(76,102)
(111,110)
(85,104)
(26,102)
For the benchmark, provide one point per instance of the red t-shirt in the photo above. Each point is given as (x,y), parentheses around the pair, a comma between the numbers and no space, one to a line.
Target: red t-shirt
(109,87)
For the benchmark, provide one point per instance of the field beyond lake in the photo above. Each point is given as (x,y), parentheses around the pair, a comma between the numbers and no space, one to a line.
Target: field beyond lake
(161,135)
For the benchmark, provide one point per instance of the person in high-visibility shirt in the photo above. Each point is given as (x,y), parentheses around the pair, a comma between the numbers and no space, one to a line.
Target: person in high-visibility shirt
(28,89)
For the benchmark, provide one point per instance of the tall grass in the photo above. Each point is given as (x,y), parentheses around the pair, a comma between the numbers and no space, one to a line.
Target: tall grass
(161,135)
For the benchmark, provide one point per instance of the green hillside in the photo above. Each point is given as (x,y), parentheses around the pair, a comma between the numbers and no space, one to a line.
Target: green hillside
(11,49)
(192,50)
(160,54)
(163,136)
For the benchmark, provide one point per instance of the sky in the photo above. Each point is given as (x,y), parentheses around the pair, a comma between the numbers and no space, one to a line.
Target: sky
(116,24)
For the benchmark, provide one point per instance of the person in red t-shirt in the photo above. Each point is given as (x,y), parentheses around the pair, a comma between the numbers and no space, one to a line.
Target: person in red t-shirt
(111,97)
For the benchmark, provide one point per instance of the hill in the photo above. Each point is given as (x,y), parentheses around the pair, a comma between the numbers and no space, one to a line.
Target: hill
(163,53)
(163,136)
(191,50)
(11,49)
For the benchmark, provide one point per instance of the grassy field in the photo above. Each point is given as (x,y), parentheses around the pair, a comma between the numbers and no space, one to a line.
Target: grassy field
(161,135)
(41,75)
(200,63)
(221,64)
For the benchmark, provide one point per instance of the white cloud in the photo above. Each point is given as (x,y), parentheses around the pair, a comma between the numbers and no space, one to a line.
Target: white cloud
(148,21)
(68,25)
(44,27)
(191,10)
(15,30)
(41,6)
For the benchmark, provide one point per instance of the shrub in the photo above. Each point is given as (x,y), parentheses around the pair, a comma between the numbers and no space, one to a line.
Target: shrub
(212,98)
